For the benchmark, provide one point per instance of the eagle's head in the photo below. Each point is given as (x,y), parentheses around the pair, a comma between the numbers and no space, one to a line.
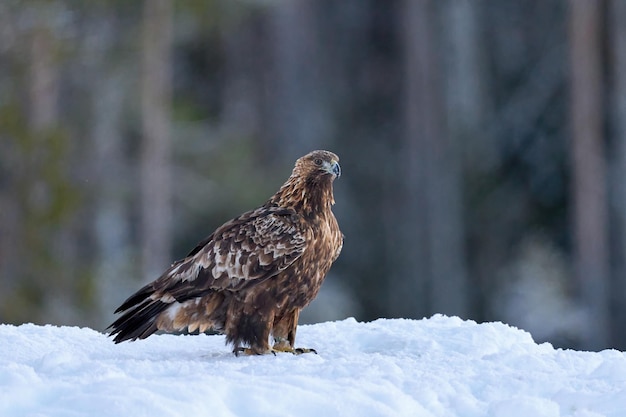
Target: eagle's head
(309,188)
(318,165)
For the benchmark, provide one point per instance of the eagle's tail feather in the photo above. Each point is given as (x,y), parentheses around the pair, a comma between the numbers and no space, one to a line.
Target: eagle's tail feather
(136,299)
(138,323)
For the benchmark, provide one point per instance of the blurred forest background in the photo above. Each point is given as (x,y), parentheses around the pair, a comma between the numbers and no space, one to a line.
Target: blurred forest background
(483,147)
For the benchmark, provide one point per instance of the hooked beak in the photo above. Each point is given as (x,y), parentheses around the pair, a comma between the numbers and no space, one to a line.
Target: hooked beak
(335,169)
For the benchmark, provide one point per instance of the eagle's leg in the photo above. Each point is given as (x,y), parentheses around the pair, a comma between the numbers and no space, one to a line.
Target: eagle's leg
(252,329)
(284,334)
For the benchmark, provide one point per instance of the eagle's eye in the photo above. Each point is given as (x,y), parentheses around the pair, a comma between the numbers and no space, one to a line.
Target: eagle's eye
(318,162)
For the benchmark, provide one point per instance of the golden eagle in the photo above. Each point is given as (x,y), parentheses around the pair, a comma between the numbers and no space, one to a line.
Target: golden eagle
(251,277)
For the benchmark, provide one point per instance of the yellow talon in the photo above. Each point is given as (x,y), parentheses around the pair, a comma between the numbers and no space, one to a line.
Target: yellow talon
(277,348)
(285,347)
(299,351)
(247,351)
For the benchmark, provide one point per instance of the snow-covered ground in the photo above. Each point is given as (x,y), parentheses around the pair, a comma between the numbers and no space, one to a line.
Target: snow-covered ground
(433,367)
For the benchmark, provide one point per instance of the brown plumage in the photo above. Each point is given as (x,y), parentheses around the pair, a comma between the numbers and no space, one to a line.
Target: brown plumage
(251,277)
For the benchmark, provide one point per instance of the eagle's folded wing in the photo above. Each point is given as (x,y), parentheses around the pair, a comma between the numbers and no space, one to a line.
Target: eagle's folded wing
(248,249)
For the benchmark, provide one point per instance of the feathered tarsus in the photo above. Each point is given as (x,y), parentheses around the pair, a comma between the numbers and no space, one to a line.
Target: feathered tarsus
(251,277)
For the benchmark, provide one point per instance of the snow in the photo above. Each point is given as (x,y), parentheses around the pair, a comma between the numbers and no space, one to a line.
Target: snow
(441,366)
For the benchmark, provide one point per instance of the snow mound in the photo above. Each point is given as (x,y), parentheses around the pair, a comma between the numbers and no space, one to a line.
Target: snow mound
(442,366)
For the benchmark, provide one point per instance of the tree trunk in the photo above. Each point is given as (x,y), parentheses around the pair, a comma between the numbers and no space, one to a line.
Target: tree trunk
(436,253)
(618,173)
(43,78)
(156,209)
(294,110)
(110,170)
(589,168)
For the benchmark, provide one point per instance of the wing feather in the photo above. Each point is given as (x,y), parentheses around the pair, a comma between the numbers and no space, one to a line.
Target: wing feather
(250,248)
